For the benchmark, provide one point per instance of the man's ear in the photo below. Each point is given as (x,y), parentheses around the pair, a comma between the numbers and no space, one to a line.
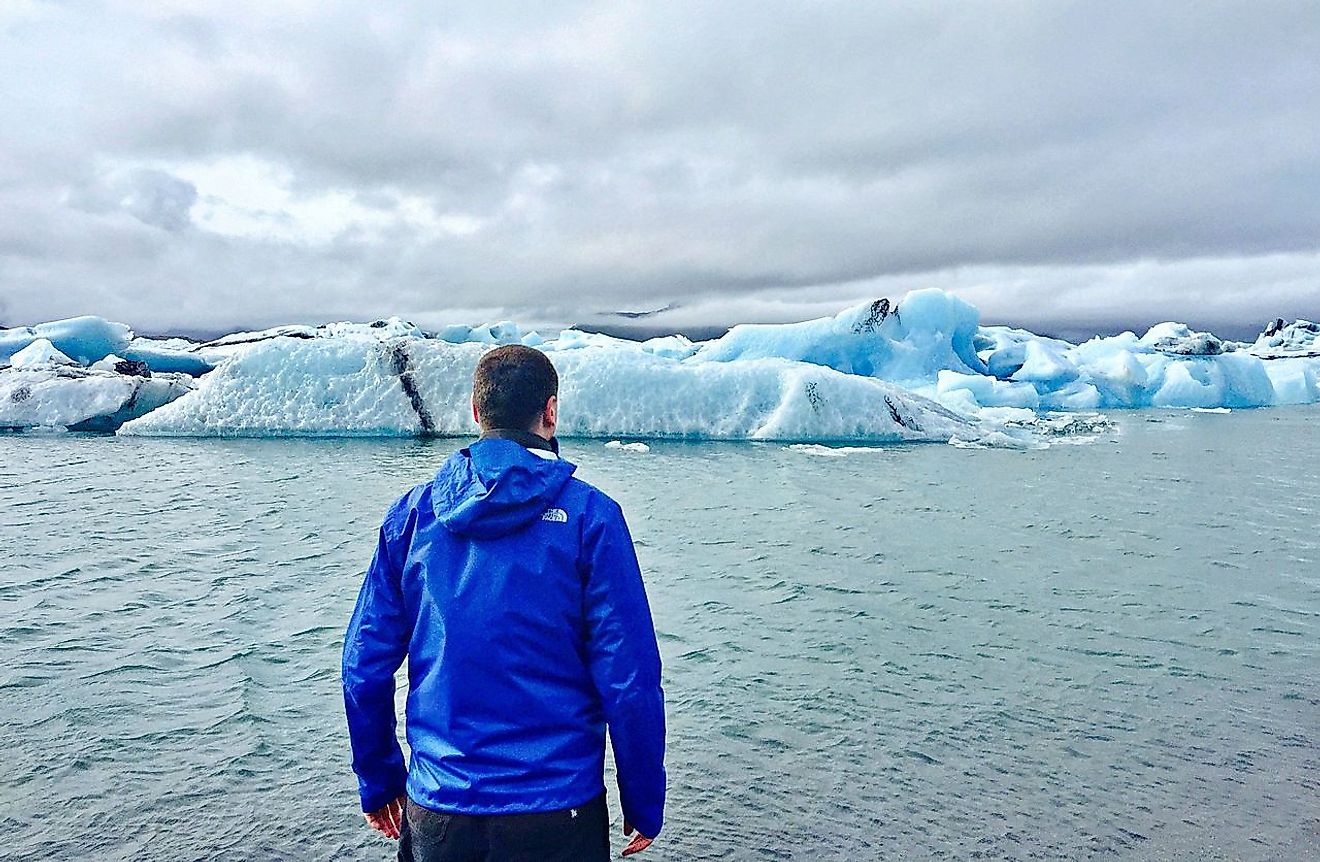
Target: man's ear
(476,417)
(550,416)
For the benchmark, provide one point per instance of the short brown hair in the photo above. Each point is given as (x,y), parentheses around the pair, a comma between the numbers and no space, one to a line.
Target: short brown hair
(511,386)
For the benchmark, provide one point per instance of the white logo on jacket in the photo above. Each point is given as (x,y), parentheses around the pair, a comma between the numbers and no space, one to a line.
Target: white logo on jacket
(559,516)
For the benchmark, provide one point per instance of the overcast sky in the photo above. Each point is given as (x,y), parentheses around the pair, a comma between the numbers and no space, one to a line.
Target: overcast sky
(211,164)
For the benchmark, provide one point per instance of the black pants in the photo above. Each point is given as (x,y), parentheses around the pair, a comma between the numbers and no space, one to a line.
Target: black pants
(572,835)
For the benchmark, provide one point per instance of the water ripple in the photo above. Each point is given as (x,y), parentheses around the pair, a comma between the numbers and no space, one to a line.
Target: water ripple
(1094,652)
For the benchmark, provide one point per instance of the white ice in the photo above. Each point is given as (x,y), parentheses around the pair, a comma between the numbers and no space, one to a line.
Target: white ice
(910,341)
(82,339)
(61,396)
(361,386)
(1300,338)
(171,356)
(921,368)
(636,447)
(38,354)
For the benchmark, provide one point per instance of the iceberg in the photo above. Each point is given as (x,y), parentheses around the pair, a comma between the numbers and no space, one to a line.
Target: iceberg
(87,340)
(913,340)
(1280,340)
(1170,366)
(58,396)
(37,354)
(918,369)
(168,356)
(82,339)
(1178,339)
(356,386)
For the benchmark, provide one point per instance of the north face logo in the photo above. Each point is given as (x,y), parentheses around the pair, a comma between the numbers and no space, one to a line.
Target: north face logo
(559,516)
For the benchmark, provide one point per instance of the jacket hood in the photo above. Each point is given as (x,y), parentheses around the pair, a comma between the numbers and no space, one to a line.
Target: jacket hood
(496,486)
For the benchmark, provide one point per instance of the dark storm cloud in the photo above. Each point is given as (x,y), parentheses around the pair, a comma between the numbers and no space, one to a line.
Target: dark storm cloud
(737,160)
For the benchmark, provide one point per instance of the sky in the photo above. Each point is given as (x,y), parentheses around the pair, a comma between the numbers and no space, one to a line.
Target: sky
(203,166)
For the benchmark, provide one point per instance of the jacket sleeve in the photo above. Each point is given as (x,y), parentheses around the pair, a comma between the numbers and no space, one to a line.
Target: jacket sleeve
(374,648)
(625,666)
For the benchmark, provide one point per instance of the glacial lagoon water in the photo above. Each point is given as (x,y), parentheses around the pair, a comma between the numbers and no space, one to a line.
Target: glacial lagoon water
(1106,651)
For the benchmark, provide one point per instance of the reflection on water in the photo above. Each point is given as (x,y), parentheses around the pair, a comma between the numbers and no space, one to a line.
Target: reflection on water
(925,652)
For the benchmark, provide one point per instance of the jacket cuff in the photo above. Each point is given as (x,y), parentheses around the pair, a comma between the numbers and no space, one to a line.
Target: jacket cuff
(374,799)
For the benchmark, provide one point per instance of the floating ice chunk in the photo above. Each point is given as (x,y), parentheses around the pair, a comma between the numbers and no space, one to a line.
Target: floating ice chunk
(1000,416)
(128,367)
(81,399)
(1111,366)
(1230,380)
(82,339)
(1004,351)
(640,448)
(1288,340)
(389,327)
(172,356)
(621,393)
(1005,362)
(381,330)
(505,332)
(348,386)
(1212,409)
(1017,428)
(38,354)
(576,339)
(1077,395)
(757,382)
(1187,384)
(1179,339)
(817,449)
(671,346)
(984,391)
(1045,363)
(834,451)
(233,339)
(357,386)
(120,365)
(667,346)
(1062,427)
(999,440)
(910,341)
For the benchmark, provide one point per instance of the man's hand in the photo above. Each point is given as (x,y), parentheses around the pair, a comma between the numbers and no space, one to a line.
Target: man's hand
(640,843)
(389,820)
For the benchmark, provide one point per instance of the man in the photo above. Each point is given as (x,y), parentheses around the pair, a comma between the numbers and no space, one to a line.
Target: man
(513,589)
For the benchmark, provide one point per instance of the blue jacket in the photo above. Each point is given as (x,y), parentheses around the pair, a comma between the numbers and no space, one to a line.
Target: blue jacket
(514,591)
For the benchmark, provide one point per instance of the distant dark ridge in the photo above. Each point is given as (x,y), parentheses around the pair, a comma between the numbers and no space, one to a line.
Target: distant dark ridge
(641,332)
(638,315)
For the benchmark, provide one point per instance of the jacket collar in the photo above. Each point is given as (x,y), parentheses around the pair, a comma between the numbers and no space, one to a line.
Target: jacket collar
(525,438)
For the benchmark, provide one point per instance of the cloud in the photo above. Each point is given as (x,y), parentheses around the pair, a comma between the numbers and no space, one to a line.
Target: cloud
(248,163)
(153,197)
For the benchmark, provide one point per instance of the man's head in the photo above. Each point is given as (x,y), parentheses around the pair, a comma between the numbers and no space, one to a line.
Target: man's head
(516,387)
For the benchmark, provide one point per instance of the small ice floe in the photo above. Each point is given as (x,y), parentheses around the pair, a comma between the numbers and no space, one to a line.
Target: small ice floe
(834,451)
(1018,428)
(628,447)
(1212,409)
(1000,440)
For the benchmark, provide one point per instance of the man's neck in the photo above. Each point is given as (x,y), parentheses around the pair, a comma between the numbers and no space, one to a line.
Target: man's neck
(526,438)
